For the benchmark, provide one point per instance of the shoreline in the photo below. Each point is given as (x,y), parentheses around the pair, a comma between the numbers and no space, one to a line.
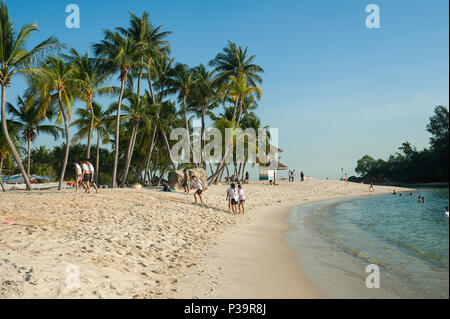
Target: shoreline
(130,243)
(256,261)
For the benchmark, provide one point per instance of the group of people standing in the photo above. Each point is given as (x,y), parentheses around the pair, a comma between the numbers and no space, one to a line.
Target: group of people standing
(236,199)
(291,176)
(85,175)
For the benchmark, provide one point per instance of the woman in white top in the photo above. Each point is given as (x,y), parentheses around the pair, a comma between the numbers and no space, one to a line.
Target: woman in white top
(79,178)
(233,196)
(92,174)
(230,193)
(86,175)
(241,199)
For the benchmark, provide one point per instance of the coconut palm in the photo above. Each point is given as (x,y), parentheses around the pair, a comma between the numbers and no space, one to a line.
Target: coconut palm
(239,90)
(136,112)
(234,61)
(103,120)
(29,118)
(204,97)
(5,152)
(183,82)
(14,59)
(121,55)
(90,75)
(150,42)
(58,87)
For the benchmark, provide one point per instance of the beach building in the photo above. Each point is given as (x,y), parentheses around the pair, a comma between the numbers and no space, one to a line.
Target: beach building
(269,171)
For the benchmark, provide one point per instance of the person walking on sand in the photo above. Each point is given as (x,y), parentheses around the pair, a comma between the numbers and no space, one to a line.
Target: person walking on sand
(371,187)
(247,178)
(293,175)
(186,181)
(198,184)
(346,178)
(241,195)
(86,176)
(230,192)
(289,175)
(302,176)
(92,173)
(79,174)
(234,198)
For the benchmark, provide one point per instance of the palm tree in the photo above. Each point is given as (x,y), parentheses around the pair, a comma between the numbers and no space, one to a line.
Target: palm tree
(204,97)
(239,90)
(234,61)
(183,82)
(251,120)
(29,118)
(121,54)
(150,41)
(15,58)
(90,75)
(103,121)
(136,112)
(4,147)
(58,86)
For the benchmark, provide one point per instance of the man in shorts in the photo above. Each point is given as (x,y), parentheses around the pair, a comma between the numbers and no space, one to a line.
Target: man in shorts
(86,176)
(198,184)
(186,181)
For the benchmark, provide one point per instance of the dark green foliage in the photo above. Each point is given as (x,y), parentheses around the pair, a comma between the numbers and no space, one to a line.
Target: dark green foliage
(412,166)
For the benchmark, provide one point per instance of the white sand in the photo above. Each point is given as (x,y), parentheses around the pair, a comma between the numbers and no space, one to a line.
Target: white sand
(150,244)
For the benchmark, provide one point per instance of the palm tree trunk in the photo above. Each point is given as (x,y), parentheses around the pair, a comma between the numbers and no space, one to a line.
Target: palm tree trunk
(91,130)
(166,142)
(97,159)
(150,86)
(10,143)
(220,177)
(188,132)
(66,155)
(243,172)
(129,154)
(163,172)
(116,155)
(202,138)
(240,113)
(149,156)
(1,169)
(141,72)
(235,109)
(28,156)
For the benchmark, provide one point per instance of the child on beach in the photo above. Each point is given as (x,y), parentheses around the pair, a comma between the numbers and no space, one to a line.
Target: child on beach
(241,199)
(186,182)
(198,184)
(371,188)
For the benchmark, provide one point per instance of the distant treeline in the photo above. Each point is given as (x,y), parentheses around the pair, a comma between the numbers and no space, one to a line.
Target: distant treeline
(409,165)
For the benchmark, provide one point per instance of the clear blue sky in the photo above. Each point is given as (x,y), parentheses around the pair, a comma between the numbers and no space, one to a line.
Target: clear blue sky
(335,89)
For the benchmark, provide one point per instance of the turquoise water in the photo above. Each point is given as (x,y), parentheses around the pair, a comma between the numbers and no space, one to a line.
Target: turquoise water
(408,240)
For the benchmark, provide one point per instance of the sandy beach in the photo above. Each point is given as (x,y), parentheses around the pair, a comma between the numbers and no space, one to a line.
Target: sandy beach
(149,244)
